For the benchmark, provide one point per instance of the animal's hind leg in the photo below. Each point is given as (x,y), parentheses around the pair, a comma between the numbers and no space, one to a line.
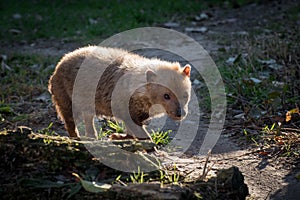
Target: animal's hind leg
(67,116)
(71,128)
(64,110)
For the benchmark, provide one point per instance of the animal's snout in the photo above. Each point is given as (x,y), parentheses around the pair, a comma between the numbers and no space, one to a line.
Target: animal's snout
(180,112)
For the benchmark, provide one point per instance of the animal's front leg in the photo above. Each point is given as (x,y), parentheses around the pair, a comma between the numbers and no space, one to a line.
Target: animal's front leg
(136,131)
(90,130)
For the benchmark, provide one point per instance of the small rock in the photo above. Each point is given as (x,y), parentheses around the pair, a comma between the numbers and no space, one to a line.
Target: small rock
(202,16)
(275,66)
(17,16)
(15,31)
(196,82)
(43,97)
(202,29)
(232,179)
(239,116)
(93,21)
(171,25)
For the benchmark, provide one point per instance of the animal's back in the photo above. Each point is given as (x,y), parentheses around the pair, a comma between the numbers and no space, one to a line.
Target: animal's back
(66,71)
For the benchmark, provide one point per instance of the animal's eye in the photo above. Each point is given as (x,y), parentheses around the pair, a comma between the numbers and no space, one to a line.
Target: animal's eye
(167,97)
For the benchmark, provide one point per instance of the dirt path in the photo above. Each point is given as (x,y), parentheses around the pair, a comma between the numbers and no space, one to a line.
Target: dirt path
(267,178)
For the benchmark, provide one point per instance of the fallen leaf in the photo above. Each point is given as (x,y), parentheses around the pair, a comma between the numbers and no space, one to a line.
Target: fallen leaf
(267,62)
(234,59)
(288,115)
(275,66)
(252,81)
(255,80)
(92,186)
(264,153)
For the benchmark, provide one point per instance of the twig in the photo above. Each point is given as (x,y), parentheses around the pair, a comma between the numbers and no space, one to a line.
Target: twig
(205,172)
(291,129)
(122,183)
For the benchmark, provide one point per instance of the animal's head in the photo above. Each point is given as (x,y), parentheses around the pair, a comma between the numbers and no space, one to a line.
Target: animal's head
(170,86)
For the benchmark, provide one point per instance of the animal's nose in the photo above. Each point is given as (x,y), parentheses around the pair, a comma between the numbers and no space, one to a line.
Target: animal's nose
(180,112)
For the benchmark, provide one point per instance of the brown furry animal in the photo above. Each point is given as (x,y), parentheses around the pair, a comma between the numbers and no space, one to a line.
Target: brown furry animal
(112,82)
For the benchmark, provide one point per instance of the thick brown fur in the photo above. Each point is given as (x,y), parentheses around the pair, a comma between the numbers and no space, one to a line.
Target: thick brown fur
(125,85)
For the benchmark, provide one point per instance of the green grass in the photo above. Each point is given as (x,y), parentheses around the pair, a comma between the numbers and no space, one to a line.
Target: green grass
(277,142)
(74,20)
(25,77)
(254,86)
(278,90)
(158,137)
(161,137)
(111,127)
(267,99)
(169,175)
(85,20)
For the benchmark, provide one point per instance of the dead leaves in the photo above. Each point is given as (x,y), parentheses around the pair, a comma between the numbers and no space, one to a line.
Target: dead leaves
(290,113)
(92,186)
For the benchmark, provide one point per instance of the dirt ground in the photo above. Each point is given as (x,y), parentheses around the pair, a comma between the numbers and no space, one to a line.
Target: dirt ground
(267,177)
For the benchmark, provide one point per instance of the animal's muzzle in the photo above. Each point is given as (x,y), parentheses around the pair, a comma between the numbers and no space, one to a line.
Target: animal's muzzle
(180,113)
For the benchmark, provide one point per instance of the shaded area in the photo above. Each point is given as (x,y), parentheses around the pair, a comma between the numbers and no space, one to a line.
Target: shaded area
(39,166)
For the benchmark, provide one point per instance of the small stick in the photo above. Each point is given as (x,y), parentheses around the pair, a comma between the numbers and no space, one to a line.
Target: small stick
(205,172)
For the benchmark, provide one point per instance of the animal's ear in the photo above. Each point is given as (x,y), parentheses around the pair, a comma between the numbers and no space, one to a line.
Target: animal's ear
(151,76)
(187,70)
